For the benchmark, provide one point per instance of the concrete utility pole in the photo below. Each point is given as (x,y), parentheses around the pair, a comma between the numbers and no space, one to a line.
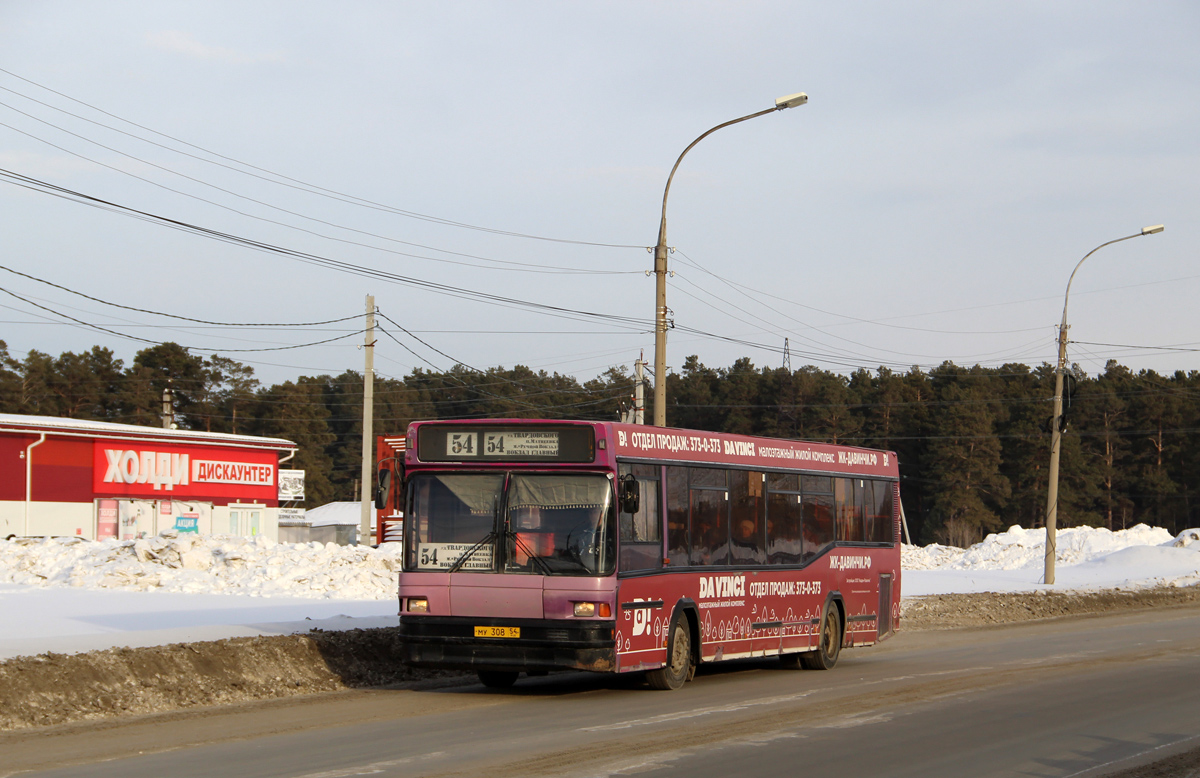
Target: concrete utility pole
(660,266)
(368,460)
(639,390)
(168,411)
(1056,419)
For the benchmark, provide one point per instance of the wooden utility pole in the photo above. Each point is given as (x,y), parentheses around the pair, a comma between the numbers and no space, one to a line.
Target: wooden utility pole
(368,433)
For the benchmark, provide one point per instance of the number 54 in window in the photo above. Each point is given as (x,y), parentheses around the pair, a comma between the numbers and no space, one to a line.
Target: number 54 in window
(461,444)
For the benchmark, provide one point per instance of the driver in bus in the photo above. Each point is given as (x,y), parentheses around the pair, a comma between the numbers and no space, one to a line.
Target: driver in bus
(529,537)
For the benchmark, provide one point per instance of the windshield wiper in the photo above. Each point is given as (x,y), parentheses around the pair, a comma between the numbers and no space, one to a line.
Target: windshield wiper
(490,537)
(462,560)
(517,542)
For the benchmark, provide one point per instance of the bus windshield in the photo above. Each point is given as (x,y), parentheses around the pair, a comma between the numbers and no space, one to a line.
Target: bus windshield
(548,524)
(560,525)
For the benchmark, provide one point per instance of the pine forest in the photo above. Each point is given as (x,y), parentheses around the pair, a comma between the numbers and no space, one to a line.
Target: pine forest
(972,442)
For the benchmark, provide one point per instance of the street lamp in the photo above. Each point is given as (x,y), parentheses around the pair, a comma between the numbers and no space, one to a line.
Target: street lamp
(1056,420)
(660,266)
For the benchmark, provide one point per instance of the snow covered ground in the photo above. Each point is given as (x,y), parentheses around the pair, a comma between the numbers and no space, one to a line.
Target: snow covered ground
(1087,558)
(68,594)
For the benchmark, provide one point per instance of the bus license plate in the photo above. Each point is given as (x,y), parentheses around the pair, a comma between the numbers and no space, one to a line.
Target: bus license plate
(497,632)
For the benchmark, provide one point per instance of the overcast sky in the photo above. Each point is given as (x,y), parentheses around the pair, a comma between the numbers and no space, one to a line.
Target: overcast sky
(953,164)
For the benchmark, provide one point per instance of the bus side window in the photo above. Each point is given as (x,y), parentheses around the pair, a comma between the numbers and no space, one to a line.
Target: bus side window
(849,514)
(708,499)
(784,528)
(818,523)
(710,526)
(748,523)
(677,515)
(862,489)
(880,525)
(641,532)
(820,511)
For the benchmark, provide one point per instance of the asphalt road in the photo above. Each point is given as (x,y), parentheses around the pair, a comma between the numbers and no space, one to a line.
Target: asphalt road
(1081,697)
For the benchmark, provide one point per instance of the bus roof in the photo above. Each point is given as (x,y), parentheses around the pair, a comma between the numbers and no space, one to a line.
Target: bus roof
(636,440)
(668,444)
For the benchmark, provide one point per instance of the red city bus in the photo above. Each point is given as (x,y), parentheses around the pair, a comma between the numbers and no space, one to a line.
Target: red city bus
(533,546)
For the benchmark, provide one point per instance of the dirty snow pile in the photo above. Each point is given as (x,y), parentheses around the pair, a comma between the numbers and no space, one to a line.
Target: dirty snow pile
(209,564)
(1085,558)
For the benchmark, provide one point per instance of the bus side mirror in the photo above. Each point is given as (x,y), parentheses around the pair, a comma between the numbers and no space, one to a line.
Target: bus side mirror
(630,496)
(381,491)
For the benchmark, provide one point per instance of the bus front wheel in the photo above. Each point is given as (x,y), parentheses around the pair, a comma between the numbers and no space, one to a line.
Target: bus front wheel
(679,657)
(830,645)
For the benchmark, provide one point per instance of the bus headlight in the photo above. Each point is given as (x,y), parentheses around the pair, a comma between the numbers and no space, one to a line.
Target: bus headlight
(585,609)
(418,605)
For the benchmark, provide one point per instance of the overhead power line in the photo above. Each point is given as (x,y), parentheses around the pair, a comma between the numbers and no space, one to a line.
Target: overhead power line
(176,316)
(449,375)
(27,182)
(522,267)
(287,181)
(848,318)
(1125,345)
(393,322)
(98,328)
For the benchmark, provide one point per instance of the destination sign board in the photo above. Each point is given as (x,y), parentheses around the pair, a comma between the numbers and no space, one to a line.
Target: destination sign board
(508,444)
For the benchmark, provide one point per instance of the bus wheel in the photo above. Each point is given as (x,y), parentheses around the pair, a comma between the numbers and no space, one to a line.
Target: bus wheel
(679,658)
(497,679)
(826,655)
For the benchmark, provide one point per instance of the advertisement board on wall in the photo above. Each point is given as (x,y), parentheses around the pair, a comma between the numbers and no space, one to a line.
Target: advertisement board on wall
(107,519)
(291,485)
(291,516)
(189,517)
(137,518)
(165,471)
(179,516)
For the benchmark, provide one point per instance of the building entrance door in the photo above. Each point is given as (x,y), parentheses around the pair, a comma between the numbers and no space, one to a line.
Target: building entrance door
(245,520)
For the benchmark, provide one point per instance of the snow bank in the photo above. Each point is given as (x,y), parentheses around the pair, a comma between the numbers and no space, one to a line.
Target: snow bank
(1187,538)
(1025,548)
(1164,565)
(1088,559)
(70,594)
(225,564)
(208,564)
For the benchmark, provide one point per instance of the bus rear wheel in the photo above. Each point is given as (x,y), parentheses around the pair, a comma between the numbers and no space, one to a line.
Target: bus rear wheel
(679,658)
(830,645)
(497,679)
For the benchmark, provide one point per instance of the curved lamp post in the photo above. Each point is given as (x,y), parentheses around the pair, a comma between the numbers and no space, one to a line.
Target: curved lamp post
(1056,420)
(660,266)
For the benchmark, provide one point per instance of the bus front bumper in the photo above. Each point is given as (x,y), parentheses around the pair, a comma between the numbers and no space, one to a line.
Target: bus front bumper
(543,645)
